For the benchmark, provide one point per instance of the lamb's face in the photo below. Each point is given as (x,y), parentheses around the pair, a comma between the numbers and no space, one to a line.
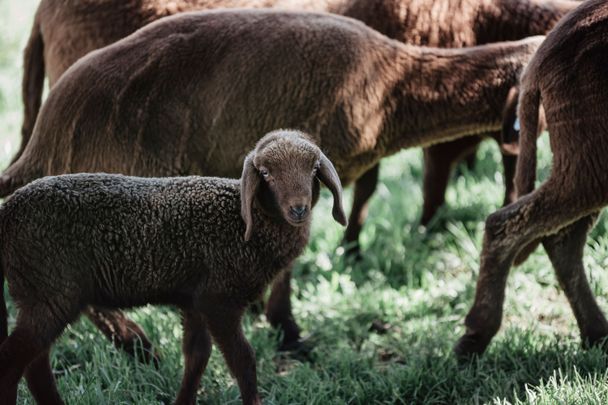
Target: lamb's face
(288,170)
(283,174)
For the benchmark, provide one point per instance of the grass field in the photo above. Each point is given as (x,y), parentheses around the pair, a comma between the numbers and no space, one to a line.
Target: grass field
(419,282)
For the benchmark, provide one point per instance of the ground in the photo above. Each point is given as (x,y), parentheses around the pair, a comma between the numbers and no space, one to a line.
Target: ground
(381,329)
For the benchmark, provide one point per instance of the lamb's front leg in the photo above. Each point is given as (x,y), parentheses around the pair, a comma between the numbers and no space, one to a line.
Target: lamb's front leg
(224,322)
(279,313)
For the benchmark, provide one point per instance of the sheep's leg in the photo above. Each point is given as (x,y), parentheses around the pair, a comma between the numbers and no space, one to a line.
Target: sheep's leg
(196,347)
(40,380)
(123,332)
(439,160)
(3,312)
(509,163)
(278,311)
(565,249)
(508,230)
(364,188)
(225,326)
(33,335)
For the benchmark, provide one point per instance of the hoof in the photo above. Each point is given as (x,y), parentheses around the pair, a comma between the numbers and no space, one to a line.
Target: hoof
(301,344)
(469,347)
(595,340)
(299,349)
(352,251)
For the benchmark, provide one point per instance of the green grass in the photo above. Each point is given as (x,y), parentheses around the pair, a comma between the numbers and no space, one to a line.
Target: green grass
(419,282)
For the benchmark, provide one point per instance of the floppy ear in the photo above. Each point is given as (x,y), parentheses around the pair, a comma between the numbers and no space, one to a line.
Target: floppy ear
(509,142)
(328,176)
(249,186)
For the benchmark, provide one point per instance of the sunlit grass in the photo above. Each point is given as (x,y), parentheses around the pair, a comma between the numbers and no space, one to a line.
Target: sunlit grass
(418,283)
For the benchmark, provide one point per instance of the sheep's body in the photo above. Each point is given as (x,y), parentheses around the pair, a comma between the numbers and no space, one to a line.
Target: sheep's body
(131,241)
(206,245)
(360,95)
(65,31)
(568,75)
(372,96)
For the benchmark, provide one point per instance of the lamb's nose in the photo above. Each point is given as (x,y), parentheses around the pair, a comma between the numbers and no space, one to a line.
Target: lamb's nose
(298,210)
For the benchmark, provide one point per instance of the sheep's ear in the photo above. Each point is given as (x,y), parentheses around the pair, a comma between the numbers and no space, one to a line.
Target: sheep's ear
(509,142)
(328,176)
(250,182)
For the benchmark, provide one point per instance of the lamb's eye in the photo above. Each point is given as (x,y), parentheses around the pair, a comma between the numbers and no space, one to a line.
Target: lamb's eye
(316,168)
(264,172)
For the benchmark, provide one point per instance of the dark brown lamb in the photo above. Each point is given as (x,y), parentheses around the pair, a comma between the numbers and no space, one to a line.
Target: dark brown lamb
(189,94)
(65,30)
(569,77)
(209,246)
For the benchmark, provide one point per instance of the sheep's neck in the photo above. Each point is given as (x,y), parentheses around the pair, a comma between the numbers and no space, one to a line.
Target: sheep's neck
(443,95)
(502,20)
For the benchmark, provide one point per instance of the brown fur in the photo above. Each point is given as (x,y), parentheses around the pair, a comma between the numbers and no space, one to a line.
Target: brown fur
(206,245)
(177,98)
(70,29)
(568,75)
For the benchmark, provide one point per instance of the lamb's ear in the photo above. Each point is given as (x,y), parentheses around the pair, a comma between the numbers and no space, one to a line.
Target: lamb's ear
(509,142)
(249,186)
(328,176)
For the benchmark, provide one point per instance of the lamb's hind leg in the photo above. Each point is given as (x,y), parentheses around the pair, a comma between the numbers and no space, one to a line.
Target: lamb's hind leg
(123,332)
(565,249)
(508,230)
(40,380)
(197,349)
(34,333)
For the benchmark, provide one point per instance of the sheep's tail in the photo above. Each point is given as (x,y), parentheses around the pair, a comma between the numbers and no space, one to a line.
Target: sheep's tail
(528,112)
(525,174)
(32,84)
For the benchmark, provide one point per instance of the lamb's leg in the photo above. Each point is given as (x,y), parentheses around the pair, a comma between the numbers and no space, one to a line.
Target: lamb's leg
(196,347)
(224,324)
(40,380)
(123,332)
(36,329)
(364,188)
(278,311)
(507,231)
(439,160)
(565,249)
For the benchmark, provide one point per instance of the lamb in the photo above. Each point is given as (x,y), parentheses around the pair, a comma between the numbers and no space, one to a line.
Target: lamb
(64,31)
(206,245)
(568,75)
(188,94)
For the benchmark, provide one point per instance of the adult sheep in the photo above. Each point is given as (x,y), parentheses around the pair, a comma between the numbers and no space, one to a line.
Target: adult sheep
(64,31)
(190,94)
(568,76)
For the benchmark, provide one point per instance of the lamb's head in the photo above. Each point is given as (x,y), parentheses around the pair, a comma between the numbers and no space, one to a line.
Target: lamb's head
(282,176)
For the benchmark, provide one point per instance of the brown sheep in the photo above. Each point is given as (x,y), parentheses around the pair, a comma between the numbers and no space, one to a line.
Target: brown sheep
(65,30)
(208,246)
(568,75)
(188,95)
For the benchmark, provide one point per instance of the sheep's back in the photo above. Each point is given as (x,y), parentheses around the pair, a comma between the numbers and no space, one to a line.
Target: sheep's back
(125,241)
